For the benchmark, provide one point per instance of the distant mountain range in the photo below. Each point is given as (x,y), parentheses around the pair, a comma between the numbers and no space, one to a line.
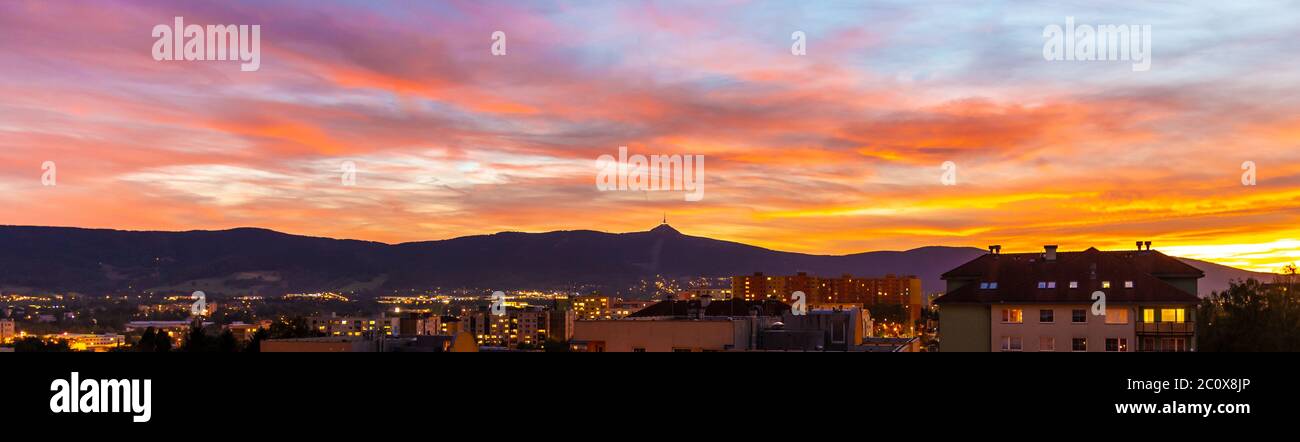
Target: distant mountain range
(247,260)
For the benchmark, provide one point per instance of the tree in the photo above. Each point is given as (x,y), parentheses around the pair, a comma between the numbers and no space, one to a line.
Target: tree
(34,344)
(293,328)
(197,340)
(162,342)
(226,343)
(255,343)
(1251,316)
(147,341)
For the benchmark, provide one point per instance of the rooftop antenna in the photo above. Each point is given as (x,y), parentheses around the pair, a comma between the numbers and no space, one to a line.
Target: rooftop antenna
(665,217)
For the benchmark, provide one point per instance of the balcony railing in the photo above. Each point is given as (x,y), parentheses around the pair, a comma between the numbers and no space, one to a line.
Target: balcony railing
(1166,327)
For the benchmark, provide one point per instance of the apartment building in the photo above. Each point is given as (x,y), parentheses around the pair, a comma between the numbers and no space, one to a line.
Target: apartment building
(526,326)
(1052,301)
(7,330)
(334,325)
(895,290)
(592,307)
(620,308)
(714,294)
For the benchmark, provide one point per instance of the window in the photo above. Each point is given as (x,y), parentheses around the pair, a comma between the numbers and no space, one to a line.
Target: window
(984,285)
(1042,284)
(681,350)
(638,350)
(1105,284)
(1148,315)
(1173,344)
(1011,343)
(1171,315)
(1051,284)
(1128,284)
(1046,343)
(1116,315)
(993,285)
(1047,316)
(1012,315)
(1079,344)
(1079,316)
(1074,284)
(1117,344)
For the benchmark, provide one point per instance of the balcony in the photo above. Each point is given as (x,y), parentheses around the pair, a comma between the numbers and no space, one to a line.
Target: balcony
(1165,328)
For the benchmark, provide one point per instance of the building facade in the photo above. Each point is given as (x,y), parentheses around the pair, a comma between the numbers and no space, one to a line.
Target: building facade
(7,331)
(592,307)
(529,327)
(902,293)
(699,325)
(353,325)
(839,329)
(89,342)
(1088,301)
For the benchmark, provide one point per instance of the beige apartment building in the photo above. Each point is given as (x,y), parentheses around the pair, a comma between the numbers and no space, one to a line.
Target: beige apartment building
(1050,301)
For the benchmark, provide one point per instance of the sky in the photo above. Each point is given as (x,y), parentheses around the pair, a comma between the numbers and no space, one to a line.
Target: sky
(838,150)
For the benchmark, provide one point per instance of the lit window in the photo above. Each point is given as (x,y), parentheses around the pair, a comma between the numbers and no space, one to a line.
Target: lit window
(1042,285)
(1148,315)
(993,285)
(1011,343)
(1074,284)
(1012,315)
(1105,284)
(1046,343)
(1171,315)
(1051,284)
(1117,315)
(1128,284)
(984,285)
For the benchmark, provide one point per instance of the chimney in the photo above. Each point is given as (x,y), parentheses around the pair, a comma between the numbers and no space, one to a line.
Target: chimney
(995,249)
(1139,245)
(1050,254)
(1148,244)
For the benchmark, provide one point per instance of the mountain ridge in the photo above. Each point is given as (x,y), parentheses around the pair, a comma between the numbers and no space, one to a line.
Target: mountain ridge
(263,261)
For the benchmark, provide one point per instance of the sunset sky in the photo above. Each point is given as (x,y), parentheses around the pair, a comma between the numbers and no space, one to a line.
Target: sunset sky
(837,151)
